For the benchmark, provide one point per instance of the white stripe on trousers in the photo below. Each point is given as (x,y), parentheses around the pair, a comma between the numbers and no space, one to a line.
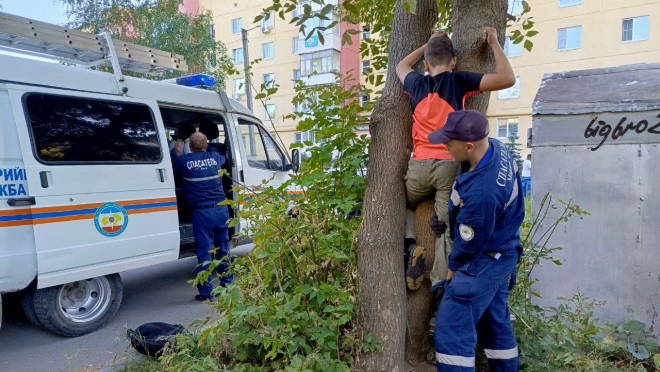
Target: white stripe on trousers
(455,360)
(502,354)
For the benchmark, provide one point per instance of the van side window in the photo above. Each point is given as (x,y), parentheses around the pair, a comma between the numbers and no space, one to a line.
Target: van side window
(260,147)
(82,130)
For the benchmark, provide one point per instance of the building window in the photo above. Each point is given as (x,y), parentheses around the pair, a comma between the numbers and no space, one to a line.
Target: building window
(364,100)
(212,31)
(563,3)
(302,137)
(296,74)
(295,43)
(366,67)
(366,33)
(319,62)
(212,62)
(269,80)
(515,7)
(239,87)
(269,112)
(268,50)
(236,26)
(635,29)
(511,49)
(569,38)
(237,55)
(506,127)
(268,24)
(260,147)
(81,130)
(510,93)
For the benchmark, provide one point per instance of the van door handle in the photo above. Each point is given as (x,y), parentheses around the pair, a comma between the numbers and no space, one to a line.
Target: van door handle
(160,172)
(43,176)
(21,202)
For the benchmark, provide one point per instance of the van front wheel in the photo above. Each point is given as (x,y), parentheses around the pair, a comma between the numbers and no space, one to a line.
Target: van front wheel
(78,308)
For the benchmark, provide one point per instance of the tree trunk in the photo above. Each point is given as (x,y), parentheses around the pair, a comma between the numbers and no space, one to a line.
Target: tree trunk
(421,303)
(469,19)
(380,242)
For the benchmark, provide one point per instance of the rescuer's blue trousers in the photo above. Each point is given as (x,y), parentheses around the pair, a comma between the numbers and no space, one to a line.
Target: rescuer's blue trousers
(474,309)
(211,233)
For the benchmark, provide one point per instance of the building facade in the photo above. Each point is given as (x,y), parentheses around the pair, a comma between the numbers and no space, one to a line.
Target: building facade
(573,35)
(285,57)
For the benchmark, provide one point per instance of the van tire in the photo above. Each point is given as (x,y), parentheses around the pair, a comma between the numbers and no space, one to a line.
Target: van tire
(27,304)
(63,309)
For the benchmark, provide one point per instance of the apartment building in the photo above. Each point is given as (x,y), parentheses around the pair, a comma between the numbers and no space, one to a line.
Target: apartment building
(573,35)
(285,56)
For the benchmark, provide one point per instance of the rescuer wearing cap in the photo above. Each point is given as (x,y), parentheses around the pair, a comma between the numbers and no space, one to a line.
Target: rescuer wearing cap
(486,210)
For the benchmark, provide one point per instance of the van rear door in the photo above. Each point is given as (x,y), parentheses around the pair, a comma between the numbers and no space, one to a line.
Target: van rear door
(99,180)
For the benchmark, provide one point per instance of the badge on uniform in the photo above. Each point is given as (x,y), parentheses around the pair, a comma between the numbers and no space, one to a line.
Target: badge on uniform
(466,232)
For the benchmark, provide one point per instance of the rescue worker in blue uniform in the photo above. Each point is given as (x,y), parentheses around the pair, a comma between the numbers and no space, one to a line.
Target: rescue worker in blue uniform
(486,210)
(202,187)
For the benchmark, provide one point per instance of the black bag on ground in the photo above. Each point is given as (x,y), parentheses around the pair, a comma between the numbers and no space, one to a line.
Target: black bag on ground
(150,338)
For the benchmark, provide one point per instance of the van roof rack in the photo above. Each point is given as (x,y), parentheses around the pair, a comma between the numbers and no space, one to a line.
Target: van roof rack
(84,48)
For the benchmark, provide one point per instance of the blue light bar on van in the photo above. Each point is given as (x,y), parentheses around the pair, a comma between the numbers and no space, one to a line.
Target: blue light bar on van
(199,80)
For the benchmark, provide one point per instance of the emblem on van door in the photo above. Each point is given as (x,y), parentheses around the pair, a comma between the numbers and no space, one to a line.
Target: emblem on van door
(111,219)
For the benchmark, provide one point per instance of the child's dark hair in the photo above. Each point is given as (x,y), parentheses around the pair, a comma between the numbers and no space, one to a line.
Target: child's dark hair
(439,51)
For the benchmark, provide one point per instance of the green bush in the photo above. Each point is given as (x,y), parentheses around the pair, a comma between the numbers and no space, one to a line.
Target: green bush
(292,307)
(568,337)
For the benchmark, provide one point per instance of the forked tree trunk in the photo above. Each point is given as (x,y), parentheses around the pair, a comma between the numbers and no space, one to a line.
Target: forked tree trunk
(380,243)
(474,54)
(380,262)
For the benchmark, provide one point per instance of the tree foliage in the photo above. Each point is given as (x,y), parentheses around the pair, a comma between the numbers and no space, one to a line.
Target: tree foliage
(515,147)
(157,24)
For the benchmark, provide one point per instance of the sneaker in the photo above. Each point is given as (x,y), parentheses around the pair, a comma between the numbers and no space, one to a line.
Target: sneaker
(416,255)
(202,298)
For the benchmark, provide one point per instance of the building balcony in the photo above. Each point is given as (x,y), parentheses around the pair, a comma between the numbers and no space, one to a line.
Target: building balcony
(319,79)
(313,44)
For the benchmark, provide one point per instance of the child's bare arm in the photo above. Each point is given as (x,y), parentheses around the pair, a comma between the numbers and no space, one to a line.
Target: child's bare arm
(503,77)
(406,65)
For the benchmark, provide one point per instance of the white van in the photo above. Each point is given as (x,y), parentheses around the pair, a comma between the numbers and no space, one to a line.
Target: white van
(86,183)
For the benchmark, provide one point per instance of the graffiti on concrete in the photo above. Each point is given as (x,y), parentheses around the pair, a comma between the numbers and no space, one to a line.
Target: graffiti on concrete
(604,130)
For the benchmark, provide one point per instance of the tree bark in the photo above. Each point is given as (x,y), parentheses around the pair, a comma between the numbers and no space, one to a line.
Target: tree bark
(421,303)
(382,304)
(473,53)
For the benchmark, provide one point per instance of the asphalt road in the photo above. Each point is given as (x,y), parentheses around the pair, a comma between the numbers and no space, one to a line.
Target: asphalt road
(157,293)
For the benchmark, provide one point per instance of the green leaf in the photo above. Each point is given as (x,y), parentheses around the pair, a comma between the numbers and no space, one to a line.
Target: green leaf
(346,39)
(633,326)
(656,360)
(526,7)
(532,33)
(349,6)
(528,45)
(321,38)
(528,25)
(638,351)
(410,6)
